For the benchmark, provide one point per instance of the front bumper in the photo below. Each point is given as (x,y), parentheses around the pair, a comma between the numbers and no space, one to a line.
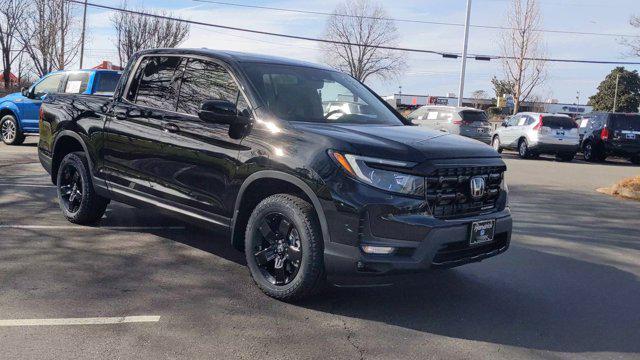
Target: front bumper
(444,245)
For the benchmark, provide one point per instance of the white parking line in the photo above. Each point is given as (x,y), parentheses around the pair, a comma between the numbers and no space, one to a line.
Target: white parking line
(27,185)
(74,227)
(79,321)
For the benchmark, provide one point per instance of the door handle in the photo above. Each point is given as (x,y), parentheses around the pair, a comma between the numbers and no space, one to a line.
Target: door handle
(171,127)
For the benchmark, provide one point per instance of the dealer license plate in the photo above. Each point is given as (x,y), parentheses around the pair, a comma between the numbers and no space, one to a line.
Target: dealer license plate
(482,232)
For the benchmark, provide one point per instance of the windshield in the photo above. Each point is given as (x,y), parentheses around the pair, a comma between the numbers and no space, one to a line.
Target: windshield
(473,116)
(559,122)
(625,122)
(296,93)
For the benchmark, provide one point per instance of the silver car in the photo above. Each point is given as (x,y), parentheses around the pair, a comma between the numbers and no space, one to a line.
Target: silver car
(465,121)
(532,134)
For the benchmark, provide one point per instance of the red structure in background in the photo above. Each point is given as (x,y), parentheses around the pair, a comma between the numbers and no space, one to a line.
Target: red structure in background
(107,65)
(13,80)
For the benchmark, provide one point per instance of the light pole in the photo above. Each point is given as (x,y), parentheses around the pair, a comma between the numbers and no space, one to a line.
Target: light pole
(84,24)
(464,53)
(615,96)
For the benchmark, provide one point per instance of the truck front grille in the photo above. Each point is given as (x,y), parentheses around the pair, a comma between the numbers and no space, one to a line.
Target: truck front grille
(449,191)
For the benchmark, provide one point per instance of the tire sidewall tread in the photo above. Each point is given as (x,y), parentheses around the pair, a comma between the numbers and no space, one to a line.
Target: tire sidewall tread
(310,276)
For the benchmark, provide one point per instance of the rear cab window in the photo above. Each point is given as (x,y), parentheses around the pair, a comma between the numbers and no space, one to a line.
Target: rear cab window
(156,83)
(625,122)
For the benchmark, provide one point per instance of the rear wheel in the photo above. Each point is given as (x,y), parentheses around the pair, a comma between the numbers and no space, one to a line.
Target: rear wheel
(591,152)
(284,249)
(496,144)
(10,132)
(523,149)
(79,202)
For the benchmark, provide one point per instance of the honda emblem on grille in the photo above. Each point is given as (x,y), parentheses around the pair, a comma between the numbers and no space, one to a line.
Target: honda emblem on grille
(477,187)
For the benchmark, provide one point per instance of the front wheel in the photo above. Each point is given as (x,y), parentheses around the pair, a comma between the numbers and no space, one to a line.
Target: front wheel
(635,160)
(79,202)
(10,132)
(496,144)
(284,249)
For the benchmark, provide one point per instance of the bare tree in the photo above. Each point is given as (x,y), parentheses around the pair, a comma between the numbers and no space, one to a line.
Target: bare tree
(135,32)
(361,26)
(12,15)
(48,35)
(521,44)
(633,45)
(477,96)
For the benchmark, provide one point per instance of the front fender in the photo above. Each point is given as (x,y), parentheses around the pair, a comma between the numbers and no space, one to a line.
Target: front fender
(7,106)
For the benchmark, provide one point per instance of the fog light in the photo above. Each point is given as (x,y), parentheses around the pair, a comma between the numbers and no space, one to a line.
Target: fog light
(378,249)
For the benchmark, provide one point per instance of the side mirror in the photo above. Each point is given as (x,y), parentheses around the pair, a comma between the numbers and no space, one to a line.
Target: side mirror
(25,92)
(505,124)
(221,112)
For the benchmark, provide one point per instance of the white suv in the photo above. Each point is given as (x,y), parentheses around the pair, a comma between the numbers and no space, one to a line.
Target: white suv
(532,134)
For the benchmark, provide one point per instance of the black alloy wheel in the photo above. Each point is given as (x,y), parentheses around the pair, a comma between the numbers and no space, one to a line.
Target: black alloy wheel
(279,251)
(71,188)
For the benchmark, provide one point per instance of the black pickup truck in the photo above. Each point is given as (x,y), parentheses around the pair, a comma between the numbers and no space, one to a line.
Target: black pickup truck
(318,179)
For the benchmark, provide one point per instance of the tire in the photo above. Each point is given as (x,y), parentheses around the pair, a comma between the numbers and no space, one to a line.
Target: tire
(591,152)
(10,131)
(495,142)
(78,200)
(635,160)
(523,149)
(566,157)
(288,226)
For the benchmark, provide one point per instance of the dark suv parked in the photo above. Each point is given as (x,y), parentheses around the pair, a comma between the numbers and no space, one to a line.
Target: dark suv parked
(610,134)
(311,192)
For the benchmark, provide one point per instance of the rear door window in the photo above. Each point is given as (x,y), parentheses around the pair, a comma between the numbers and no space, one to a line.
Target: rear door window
(158,83)
(77,82)
(473,116)
(106,82)
(559,122)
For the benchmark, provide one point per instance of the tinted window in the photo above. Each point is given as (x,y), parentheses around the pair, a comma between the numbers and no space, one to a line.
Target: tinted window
(47,86)
(158,83)
(418,114)
(106,82)
(298,93)
(473,116)
(559,122)
(625,122)
(205,80)
(77,82)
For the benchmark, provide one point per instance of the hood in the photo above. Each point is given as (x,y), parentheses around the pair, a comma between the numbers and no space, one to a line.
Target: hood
(13,97)
(407,143)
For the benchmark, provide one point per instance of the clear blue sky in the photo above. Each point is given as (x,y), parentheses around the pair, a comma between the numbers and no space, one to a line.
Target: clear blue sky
(426,74)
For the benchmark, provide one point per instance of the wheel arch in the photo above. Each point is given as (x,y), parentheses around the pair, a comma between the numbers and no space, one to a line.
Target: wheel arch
(265,183)
(8,111)
(67,142)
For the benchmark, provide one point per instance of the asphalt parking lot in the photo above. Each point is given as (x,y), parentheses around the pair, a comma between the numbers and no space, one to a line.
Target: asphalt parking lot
(567,288)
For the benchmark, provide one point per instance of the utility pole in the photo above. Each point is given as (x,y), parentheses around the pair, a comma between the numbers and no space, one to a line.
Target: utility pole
(84,25)
(464,53)
(615,97)
(62,35)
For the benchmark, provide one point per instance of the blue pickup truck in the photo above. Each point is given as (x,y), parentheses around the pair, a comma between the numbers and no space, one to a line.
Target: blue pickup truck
(19,112)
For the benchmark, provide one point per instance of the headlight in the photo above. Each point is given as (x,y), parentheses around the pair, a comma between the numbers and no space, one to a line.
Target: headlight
(505,188)
(364,169)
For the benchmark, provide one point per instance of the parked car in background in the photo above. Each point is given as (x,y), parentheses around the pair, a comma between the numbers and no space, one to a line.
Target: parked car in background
(310,194)
(465,121)
(605,134)
(532,134)
(19,111)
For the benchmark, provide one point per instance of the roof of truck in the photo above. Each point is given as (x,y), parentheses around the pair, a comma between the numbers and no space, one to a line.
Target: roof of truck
(238,57)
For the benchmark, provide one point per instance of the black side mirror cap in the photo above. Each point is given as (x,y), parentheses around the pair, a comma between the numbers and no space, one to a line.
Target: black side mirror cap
(25,92)
(221,112)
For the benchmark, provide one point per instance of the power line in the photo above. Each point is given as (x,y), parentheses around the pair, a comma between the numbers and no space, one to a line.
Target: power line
(492,27)
(424,51)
